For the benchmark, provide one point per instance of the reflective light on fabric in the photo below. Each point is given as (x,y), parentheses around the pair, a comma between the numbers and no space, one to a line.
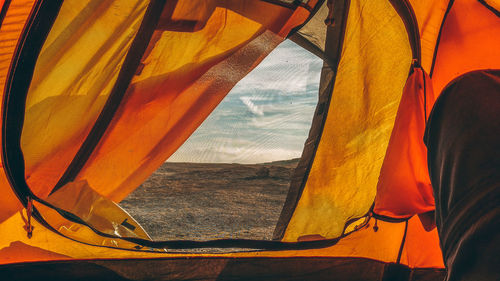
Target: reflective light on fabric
(404,188)
(374,66)
(183,76)
(73,77)
(469,41)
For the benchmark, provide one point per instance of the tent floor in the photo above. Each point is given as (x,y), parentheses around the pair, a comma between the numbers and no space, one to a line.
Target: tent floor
(204,268)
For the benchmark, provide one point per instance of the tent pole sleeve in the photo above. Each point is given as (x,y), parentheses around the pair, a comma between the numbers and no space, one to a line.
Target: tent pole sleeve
(43,15)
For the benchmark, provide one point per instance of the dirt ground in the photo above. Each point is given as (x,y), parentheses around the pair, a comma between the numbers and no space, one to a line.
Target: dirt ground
(208,201)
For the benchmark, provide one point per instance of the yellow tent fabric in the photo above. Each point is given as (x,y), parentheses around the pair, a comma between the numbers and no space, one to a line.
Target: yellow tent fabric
(73,78)
(357,135)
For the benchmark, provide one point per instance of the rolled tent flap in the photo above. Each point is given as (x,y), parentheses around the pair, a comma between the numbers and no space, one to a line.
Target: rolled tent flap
(404,188)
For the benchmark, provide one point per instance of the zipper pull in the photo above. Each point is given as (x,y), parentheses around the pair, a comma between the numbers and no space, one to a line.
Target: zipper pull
(375,226)
(29,212)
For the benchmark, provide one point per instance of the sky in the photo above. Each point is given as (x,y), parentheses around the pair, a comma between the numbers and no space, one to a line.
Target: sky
(266,117)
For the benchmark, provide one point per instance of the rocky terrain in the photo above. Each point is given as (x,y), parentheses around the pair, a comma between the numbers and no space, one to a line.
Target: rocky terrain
(209,201)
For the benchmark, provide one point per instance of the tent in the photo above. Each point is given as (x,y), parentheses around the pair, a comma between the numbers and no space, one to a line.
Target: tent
(98,94)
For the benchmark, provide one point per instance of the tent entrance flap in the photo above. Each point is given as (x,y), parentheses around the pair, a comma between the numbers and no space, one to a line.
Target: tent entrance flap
(65,130)
(230,178)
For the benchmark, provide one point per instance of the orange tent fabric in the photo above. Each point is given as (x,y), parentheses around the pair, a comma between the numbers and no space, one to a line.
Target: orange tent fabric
(404,188)
(98,94)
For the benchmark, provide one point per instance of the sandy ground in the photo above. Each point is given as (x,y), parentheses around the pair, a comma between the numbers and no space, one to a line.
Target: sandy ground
(209,201)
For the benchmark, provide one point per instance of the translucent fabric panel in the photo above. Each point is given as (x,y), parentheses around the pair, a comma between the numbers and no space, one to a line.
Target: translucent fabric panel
(429,14)
(99,212)
(10,31)
(186,71)
(75,72)
(312,36)
(469,41)
(374,66)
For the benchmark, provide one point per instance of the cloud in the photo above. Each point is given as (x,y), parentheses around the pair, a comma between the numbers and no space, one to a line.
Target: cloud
(251,106)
